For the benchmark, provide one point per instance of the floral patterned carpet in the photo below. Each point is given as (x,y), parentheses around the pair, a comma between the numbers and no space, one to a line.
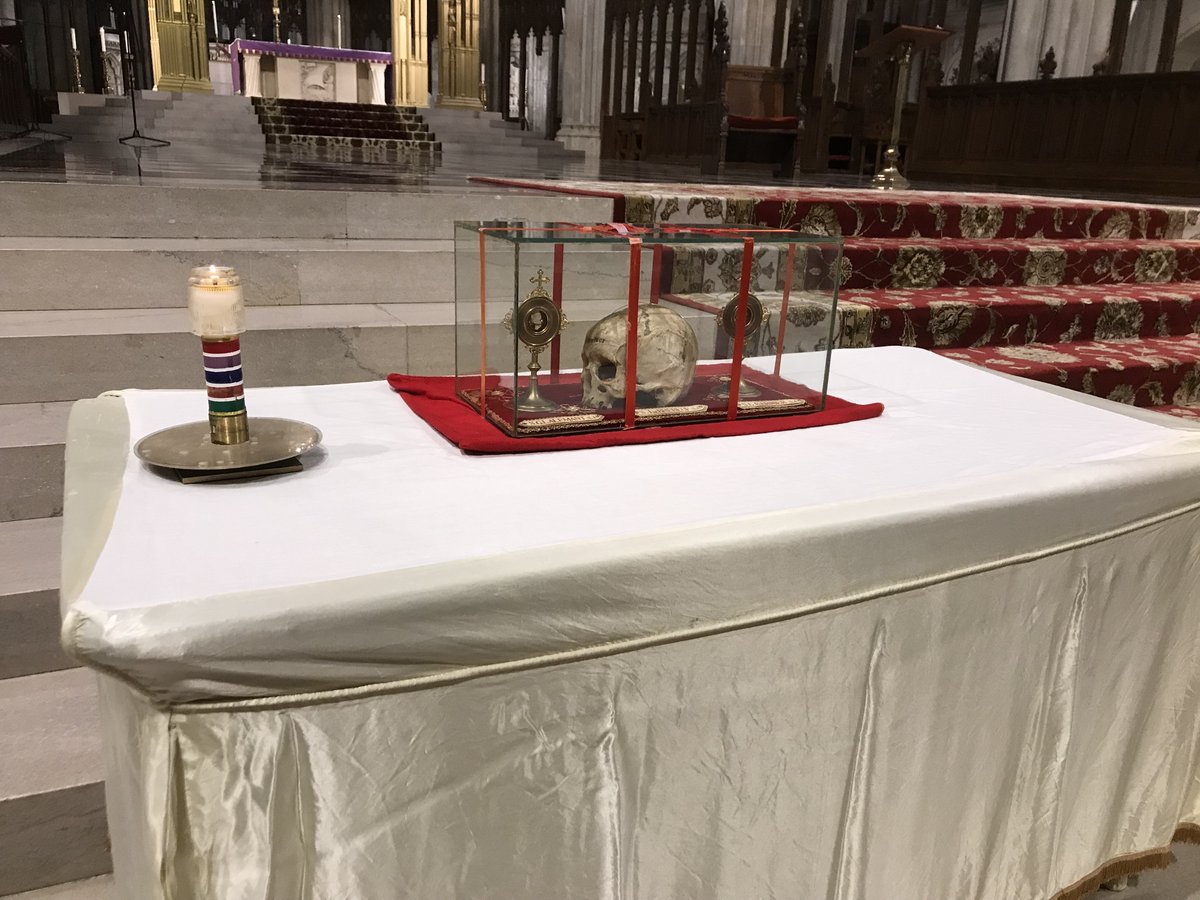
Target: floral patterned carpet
(1098,296)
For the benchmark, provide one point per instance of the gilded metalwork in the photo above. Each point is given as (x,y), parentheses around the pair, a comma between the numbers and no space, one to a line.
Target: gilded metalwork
(77,76)
(559,423)
(654,414)
(458,54)
(190,447)
(889,178)
(754,316)
(790,403)
(727,319)
(229,428)
(180,46)
(537,322)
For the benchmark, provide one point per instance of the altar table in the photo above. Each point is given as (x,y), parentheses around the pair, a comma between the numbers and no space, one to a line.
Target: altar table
(952,652)
(303,72)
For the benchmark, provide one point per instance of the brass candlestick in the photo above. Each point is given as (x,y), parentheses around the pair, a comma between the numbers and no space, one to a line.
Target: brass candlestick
(889,178)
(78,75)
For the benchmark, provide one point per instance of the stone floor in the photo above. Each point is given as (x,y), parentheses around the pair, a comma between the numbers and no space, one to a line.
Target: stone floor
(1180,882)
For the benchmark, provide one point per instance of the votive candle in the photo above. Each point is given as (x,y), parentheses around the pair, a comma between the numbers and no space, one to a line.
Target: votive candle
(218,318)
(215,302)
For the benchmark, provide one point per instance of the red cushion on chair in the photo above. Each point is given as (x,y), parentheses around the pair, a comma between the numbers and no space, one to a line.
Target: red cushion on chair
(764,123)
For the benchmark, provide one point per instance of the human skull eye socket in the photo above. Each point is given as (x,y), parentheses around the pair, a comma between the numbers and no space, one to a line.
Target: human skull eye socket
(606,371)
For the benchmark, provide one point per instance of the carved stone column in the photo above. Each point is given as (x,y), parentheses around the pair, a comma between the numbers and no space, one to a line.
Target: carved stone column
(583,53)
(1079,31)
(1024,40)
(751,29)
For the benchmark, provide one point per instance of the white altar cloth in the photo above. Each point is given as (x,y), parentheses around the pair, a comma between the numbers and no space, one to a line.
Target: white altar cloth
(949,652)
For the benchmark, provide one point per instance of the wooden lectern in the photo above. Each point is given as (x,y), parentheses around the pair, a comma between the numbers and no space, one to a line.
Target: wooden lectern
(899,44)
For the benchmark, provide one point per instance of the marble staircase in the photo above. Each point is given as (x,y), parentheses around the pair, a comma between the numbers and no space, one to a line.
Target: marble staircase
(208,134)
(341,286)
(218,139)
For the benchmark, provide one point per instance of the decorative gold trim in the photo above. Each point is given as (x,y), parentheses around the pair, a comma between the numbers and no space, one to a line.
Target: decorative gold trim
(557,423)
(772,405)
(671,412)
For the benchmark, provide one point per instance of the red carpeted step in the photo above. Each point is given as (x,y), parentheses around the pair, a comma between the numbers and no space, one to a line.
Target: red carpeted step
(868,213)
(923,263)
(1146,372)
(978,217)
(987,316)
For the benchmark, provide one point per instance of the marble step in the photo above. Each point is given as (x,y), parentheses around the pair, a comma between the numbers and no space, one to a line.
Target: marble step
(185,125)
(29,615)
(102,887)
(52,824)
(31,460)
(150,348)
(96,273)
(283,345)
(129,210)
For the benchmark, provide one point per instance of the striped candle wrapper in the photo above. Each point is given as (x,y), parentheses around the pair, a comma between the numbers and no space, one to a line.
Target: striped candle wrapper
(223,375)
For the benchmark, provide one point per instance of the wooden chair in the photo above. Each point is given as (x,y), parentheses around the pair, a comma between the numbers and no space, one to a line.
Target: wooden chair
(762,110)
(714,113)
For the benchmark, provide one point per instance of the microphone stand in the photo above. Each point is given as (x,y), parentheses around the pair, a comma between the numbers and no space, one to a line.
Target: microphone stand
(137,139)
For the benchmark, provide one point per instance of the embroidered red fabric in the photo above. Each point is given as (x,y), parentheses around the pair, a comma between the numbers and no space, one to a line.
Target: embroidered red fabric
(434,400)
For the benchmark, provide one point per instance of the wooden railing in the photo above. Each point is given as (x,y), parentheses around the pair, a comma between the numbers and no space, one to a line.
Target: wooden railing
(1128,133)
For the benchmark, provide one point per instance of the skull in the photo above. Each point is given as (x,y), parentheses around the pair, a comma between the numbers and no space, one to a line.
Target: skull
(666,358)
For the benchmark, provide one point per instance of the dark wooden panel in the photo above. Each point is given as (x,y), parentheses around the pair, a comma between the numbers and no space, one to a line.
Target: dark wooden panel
(1184,142)
(1128,133)
(1052,129)
(1004,127)
(1087,123)
(979,127)
(1153,125)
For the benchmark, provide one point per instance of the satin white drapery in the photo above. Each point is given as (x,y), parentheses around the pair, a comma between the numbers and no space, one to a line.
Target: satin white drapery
(947,653)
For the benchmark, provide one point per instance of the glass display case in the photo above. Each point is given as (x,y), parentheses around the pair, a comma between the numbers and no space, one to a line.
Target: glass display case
(574,328)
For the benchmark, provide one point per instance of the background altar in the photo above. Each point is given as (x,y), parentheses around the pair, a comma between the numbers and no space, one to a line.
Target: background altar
(947,652)
(300,72)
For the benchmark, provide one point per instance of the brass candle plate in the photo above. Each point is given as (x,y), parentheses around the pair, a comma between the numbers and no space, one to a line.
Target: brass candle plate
(190,447)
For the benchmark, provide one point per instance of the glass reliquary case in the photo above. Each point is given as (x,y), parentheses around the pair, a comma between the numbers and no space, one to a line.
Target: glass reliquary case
(562,329)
